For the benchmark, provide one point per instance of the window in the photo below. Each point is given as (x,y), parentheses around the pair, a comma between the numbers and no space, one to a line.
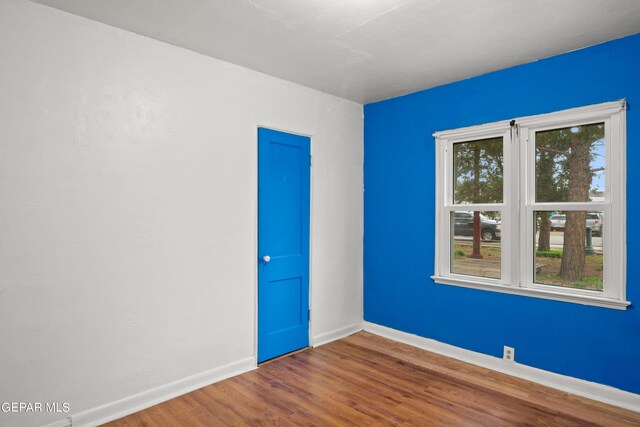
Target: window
(535,206)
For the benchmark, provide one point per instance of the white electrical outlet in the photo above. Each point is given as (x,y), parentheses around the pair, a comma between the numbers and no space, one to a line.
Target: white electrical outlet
(509,354)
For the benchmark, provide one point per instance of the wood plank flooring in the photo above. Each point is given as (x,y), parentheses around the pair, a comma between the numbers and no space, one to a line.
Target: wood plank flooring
(367,380)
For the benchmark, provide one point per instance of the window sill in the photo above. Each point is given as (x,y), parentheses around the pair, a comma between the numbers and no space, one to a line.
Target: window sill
(537,293)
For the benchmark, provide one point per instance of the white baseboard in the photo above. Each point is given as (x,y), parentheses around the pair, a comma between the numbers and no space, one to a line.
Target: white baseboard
(129,405)
(61,423)
(336,334)
(140,401)
(591,390)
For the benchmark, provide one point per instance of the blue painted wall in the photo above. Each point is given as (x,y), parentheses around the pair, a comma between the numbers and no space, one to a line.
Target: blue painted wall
(592,343)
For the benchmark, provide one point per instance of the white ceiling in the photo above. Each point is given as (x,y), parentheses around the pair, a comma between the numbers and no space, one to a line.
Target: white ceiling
(368,50)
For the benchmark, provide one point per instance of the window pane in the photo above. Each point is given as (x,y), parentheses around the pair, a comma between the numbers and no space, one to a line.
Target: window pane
(568,249)
(476,249)
(570,164)
(478,171)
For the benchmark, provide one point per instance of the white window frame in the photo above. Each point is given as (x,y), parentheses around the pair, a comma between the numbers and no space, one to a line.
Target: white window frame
(519,204)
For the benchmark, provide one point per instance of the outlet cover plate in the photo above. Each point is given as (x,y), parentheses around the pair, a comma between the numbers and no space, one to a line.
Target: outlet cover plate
(509,354)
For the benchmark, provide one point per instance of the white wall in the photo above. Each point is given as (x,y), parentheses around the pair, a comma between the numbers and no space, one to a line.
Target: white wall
(128,211)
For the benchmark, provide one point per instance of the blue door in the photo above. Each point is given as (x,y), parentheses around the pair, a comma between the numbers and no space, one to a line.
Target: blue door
(283,243)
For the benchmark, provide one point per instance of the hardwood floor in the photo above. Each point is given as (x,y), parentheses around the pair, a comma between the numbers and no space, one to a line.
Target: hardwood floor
(368,380)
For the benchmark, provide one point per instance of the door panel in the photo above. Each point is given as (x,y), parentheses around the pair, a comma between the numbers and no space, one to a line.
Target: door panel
(283,238)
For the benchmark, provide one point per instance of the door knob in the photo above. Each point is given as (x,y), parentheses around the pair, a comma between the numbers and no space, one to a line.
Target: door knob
(266,258)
